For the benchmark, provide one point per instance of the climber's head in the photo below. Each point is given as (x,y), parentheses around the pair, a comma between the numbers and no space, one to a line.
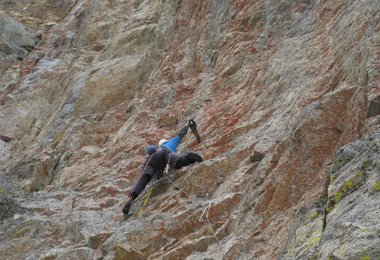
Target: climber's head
(161,142)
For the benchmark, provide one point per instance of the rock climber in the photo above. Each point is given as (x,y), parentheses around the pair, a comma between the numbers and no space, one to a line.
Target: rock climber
(158,158)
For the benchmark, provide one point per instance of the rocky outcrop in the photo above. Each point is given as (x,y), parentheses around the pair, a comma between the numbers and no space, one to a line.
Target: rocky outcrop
(15,39)
(276,87)
(343,224)
(39,15)
(352,227)
(8,207)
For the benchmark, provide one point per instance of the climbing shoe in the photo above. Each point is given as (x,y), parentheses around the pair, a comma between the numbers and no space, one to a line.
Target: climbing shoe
(194,157)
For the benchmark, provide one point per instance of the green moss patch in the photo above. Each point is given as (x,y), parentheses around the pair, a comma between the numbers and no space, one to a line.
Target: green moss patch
(365,255)
(28,48)
(351,183)
(377,186)
(339,196)
(312,216)
(329,209)
(365,164)
(344,189)
(314,241)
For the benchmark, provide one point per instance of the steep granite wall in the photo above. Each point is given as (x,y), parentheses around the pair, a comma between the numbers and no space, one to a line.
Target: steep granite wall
(276,87)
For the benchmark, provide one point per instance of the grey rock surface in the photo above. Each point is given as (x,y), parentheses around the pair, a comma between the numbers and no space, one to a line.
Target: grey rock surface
(8,207)
(344,223)
(292,80)
(352,224)
(15,38)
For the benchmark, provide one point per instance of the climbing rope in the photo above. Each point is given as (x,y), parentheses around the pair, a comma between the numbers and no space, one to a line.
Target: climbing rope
(175,185)
(205,213)
(94,254)
(187,176)
(145,202)
(141,210)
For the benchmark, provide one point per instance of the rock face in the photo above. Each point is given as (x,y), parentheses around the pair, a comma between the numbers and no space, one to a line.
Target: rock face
(279,90)
(344,223)
(15,38)
(353,207)
(8,208)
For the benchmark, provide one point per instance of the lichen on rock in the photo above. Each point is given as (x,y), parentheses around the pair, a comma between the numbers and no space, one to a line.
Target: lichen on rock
(285,95)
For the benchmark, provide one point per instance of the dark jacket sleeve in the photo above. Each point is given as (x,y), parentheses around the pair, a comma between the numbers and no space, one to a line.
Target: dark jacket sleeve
(177,161)
(172,159)
(183,132)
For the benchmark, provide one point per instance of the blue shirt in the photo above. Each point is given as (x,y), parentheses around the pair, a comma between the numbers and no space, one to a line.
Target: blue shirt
(173,143)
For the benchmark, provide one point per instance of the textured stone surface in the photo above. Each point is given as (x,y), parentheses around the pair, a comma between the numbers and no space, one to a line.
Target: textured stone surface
(8,207)
(15,38)
(352,226)
(16,41)
(344,223)
(292,80)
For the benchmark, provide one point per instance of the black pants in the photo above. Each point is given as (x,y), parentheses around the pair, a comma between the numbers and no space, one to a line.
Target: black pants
(140,185)
(150,171)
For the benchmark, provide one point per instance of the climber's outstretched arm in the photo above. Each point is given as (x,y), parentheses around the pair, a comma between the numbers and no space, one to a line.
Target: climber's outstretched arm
(173,143)
(177,161)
